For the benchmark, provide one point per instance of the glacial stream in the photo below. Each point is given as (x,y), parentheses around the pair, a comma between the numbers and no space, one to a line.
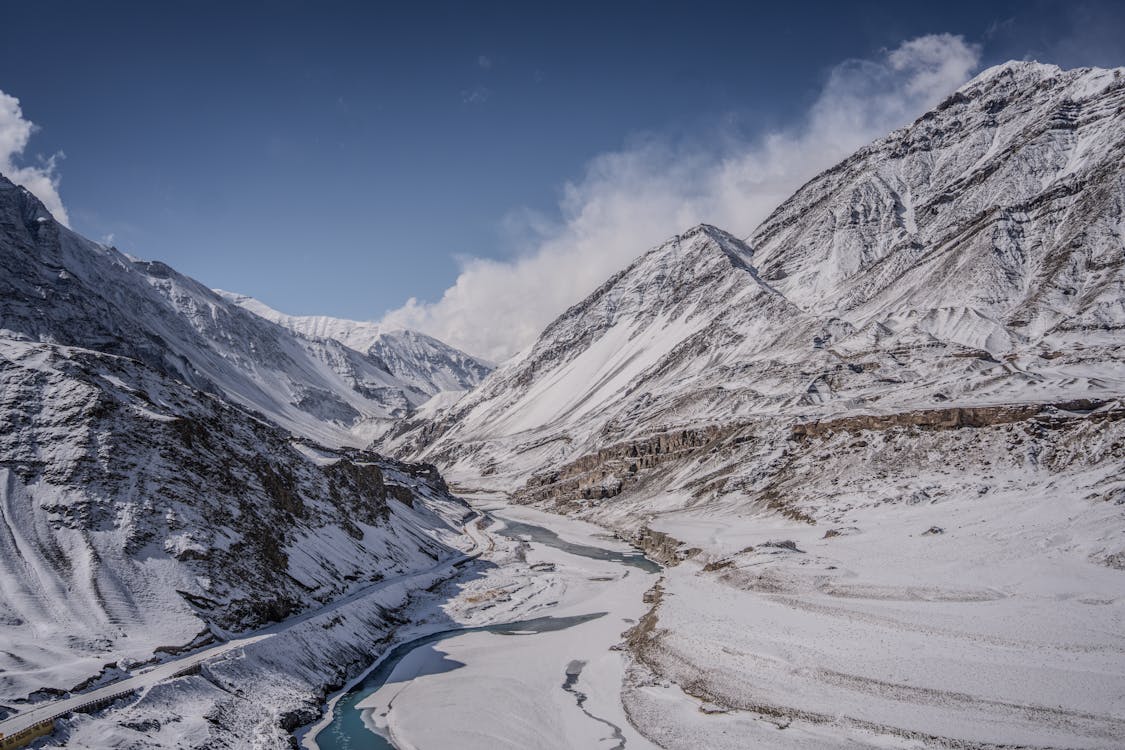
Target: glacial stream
(532,533)
(352,727)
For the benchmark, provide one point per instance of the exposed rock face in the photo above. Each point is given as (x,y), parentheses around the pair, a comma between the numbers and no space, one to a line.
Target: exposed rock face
(608,472)
(752,464)
(662,547)
(957,417)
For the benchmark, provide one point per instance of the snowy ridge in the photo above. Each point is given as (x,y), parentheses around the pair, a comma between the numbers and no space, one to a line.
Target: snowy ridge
(1007,189)
(62,288)
(420,361)
(354,334)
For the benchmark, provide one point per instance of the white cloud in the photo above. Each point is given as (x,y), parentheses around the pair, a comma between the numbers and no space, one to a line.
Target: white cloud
(41,180)
(632,199)
(485,62)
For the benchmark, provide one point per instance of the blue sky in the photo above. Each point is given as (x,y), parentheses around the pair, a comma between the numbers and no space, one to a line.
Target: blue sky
(339,159)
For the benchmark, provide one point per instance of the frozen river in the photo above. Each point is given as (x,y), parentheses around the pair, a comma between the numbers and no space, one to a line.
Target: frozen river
(550,680)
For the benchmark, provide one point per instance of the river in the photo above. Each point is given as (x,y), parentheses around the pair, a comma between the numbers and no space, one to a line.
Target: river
(481,684)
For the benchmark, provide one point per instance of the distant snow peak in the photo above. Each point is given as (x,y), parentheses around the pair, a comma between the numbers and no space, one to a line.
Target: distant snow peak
(419,361)
(354,334)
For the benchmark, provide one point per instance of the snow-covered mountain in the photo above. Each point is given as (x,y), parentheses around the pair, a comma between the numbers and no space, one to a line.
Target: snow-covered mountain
(993,222)
(598,367)
(879,443)
(171,465)
(61,288)
(422,362)
(972,258)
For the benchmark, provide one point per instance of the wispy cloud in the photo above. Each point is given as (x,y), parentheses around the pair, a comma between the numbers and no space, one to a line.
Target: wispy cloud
(484,62)
(475,95)
(632,199)
(41,179)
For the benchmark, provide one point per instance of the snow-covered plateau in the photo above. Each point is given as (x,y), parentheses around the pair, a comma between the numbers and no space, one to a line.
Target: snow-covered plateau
(877,449)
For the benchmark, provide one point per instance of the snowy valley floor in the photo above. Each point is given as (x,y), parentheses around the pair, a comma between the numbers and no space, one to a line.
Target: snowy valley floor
(980,623)
(506,690)
(975,622)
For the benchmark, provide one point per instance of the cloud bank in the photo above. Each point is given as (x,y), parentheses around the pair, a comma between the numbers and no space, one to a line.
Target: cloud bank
(632,199)
(41,180)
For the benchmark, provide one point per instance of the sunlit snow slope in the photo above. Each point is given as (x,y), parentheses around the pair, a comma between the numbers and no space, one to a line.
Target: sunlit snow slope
(972,258)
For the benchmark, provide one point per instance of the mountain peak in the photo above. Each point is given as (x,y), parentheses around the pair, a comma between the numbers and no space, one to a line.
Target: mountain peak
(1019,68)
(427,364)
(698,244)
(709,230)
(1019,75)
(30,207)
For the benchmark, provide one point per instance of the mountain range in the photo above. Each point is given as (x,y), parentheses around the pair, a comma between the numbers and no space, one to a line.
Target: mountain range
(878,443)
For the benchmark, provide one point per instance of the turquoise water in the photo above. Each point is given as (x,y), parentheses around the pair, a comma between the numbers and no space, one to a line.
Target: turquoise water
(347,731)
(532,533)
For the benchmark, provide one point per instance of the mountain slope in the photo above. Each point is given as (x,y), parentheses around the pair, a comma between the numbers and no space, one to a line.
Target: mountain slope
(690,308)
(161,478)
(60,288)
(972,258)
(993,221)
(138,511)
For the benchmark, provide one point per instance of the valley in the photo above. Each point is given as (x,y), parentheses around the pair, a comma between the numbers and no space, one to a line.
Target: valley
(856,479)
(550,613)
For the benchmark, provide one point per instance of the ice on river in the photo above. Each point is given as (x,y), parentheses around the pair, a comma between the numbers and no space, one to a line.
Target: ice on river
(512,689)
